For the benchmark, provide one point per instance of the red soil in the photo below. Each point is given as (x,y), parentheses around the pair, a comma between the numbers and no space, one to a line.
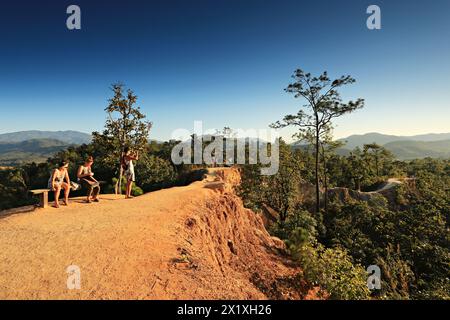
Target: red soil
(193,242)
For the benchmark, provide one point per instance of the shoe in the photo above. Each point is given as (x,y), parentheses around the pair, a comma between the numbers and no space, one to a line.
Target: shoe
(96,200)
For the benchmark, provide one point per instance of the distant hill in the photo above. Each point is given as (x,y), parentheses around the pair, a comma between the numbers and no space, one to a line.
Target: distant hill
(34,150)
(434,145)
(358,140)
(408,150)
(68,137)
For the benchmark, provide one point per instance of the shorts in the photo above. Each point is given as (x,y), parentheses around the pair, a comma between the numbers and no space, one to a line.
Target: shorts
(130,176)
(57,184)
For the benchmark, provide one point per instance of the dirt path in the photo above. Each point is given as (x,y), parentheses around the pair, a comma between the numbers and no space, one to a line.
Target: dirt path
(125,249)
(391,183)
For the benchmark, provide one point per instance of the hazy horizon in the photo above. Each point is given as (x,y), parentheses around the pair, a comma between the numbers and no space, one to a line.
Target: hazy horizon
(286,138)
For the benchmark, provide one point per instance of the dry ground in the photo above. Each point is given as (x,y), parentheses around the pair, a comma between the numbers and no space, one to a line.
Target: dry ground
(193,242)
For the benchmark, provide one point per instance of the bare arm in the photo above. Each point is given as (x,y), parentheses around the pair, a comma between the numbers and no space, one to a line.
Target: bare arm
(67,177)
(53,178)
(79,175)
(92,177)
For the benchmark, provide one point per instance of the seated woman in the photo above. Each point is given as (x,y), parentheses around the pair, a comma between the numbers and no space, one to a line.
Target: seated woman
(86,178)
(56,183)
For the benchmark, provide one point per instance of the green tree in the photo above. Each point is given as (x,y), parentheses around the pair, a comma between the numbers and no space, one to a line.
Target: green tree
(282,187)
(155,172)
(357,170)
(327,150)
(323,105)
(378,157)
(125,126)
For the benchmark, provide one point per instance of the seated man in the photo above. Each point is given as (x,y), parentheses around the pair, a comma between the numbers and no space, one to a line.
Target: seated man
(86,178)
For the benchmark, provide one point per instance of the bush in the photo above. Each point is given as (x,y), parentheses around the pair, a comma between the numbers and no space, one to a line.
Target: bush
(13,189)
(300,222)
(154,173)
(135,190)
(186,175)
(333,270)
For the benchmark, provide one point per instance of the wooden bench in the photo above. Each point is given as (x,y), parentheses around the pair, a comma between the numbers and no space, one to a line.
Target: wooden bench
(43,196)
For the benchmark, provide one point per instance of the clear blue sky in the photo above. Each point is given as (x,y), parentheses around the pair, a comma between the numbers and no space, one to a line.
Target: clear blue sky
(225,62)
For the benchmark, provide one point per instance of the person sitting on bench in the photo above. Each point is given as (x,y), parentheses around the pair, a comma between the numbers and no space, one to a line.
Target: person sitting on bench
(86,178)
(56,183)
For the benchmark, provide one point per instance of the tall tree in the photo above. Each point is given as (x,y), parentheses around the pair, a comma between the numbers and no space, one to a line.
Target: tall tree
(281,189)
(381,156)
(375,148)
(125,126)
(327,150)
(323,104)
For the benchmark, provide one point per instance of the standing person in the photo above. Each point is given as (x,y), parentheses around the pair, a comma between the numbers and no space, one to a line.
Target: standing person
(86,178)
(127,163)
(56,183)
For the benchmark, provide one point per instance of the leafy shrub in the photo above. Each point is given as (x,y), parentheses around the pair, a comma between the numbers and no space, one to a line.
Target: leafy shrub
(333,270)
(301,222)
(186,176)
(13,189)
(135,190)
(154,173)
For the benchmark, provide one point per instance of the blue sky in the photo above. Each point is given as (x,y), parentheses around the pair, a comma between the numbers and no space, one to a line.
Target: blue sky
(225,62)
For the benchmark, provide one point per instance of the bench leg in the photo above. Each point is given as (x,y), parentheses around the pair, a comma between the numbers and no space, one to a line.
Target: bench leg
(44,200)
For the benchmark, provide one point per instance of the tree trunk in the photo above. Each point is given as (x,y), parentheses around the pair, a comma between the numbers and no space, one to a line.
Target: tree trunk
(118,188)
(325,180)
(376,164)
(317,167)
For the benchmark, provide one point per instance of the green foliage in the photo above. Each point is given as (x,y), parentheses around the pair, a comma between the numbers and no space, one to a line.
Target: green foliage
(125,126)
(13,189)
(314,120)
(404,232)
(135,190)
(397,275)
(408,238)
(279,191)
(154,173)
(333,270)
(300,223)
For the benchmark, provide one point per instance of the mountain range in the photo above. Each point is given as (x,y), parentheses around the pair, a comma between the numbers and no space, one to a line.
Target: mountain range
(434,145)
(359,140)
(34,150)
(36,146)
(68,137)
(28,146)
